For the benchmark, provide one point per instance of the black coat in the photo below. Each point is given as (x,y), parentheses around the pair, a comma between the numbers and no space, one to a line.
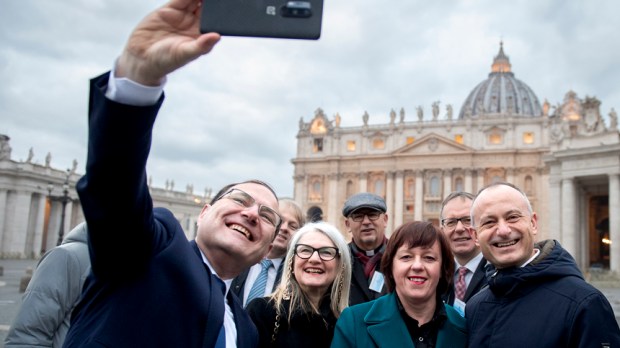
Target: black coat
(306,330)
(360,291)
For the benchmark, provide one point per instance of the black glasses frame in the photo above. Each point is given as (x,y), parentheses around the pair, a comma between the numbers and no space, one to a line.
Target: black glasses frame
(452,222)
(321,251)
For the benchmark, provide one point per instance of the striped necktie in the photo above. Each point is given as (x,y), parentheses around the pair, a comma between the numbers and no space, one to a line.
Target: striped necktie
(258,289)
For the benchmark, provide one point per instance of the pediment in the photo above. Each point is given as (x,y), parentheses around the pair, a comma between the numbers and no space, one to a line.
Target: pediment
(433,144)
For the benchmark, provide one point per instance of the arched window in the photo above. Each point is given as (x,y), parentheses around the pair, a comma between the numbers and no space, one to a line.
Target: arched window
(349,188)
(528,184)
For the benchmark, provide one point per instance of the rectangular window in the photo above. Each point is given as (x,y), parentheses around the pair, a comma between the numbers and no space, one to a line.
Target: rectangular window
(318,145)
(528,138)
(351,145)
(458,138)
(410,140)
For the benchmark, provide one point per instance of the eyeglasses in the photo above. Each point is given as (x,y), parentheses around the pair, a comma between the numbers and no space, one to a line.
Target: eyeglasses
(372,215)
(325,253)
(266,214)
(452,222)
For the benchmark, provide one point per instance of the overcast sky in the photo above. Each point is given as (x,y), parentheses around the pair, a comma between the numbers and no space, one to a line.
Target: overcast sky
(234,114)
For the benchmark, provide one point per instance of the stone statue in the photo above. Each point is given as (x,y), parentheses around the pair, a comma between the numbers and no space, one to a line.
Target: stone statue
(337,120)
(5,148)
(449,111)
(420,113)
(402,115)
(392,116)
(171,185)
(301,123)
(545,109)
(48,159)
(435,110)
(365,118)
(167,185)
(74,166)
(468,111)
(30,156)
(150,182)
(613,119)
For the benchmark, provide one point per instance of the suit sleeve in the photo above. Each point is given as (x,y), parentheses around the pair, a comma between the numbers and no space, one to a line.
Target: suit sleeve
(114,192)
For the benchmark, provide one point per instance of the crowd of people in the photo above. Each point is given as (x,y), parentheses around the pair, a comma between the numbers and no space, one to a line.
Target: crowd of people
(258,275)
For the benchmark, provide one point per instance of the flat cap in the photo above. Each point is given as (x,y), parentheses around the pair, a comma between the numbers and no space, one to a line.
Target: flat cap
(363,200)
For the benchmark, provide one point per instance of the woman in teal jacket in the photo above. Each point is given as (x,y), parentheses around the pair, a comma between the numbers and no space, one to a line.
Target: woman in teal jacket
(417,267)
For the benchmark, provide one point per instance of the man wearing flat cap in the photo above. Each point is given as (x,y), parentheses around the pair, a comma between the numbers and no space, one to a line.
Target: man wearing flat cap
(366,219)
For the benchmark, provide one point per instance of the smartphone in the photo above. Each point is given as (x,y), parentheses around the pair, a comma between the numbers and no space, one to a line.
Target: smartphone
(263,18)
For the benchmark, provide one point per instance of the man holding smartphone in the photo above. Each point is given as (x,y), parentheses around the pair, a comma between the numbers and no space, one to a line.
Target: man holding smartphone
(149,286)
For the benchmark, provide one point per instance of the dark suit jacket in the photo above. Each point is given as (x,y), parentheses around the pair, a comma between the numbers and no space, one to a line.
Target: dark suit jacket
(360,292)
(477,283)
(238,284)
(379,324)
(149,286)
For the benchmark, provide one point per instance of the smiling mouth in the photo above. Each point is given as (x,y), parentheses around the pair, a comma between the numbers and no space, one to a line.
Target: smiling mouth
(241,230)
(462,239)
(506,244)
(314,270)
(417,280)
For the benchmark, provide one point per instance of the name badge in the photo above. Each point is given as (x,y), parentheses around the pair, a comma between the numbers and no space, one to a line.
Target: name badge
(376,283)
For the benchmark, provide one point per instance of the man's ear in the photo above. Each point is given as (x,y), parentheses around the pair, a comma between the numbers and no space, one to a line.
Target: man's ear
(474,235)
(203,211)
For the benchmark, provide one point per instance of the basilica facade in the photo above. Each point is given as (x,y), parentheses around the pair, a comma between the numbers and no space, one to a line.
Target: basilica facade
(565,156)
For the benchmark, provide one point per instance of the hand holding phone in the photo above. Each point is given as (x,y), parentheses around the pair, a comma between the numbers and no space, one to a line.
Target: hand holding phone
(263,18)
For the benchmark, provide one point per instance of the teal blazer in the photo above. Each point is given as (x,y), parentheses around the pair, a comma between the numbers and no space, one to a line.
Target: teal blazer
(379,324)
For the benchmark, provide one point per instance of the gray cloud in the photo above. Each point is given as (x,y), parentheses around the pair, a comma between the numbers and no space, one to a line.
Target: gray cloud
(234,114)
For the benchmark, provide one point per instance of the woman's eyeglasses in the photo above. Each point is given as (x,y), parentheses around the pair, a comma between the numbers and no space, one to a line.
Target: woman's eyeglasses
(325,253)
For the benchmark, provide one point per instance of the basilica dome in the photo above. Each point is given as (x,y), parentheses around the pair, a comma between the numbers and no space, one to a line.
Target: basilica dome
(501,93)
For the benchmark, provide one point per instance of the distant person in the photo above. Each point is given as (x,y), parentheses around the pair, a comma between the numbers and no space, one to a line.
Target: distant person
(469,273)
(302,312)
(418,267)
(44,316)
(150,286)
(261,279)
(537,296)
(366,218)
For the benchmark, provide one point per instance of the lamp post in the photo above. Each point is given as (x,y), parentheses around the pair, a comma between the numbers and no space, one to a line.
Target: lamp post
(64,199)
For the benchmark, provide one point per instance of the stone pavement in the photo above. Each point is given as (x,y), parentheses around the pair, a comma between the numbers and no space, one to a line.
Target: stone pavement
(14,270)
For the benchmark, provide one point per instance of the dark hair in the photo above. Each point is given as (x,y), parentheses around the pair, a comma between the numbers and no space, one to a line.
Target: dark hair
(228,187)
(418,234)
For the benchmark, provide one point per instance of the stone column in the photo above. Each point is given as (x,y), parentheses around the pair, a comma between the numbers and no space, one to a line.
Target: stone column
(3,227)
(298,195)
(363,182)
(510,175)
(555,204)
(18,225)
(389,200)
(332,199)
(569,219)
(40,220)
(398,199)
(447,182)
(468,181)
(419,195)
(480,179)
(614,222)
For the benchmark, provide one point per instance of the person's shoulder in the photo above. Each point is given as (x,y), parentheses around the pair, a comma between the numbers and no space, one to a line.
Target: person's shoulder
(455,318)
(260,305)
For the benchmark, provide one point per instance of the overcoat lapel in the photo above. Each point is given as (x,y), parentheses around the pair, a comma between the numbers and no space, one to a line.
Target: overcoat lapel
(386,325)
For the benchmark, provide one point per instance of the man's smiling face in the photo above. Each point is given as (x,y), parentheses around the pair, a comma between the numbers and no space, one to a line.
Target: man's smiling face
(505,227)
(234,236)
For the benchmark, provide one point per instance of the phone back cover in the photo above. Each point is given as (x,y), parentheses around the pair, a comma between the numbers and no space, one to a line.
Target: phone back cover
(259,18)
